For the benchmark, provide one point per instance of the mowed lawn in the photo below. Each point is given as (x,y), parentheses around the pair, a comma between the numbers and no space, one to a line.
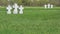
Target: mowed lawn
(33,21)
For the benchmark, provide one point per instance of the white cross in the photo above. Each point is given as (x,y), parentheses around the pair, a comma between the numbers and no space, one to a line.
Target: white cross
(45,6)
(9,9)
(15,6)
(21,9)
(49,5)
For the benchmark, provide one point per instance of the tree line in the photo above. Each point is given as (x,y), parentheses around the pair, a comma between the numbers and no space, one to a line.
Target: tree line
(29,2)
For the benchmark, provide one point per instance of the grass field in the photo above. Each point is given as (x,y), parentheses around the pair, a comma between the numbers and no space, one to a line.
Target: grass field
(33,21)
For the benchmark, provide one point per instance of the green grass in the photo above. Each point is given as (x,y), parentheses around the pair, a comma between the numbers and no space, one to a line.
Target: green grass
(33,21)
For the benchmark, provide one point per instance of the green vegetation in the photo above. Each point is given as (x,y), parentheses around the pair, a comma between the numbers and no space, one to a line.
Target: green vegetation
(33,21)
(30,2)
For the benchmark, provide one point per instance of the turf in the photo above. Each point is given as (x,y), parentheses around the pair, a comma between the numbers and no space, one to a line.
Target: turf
(33,21)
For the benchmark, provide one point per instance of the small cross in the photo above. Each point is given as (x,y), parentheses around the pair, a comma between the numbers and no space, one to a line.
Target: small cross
(15,6)
(9,9)
(21,9)
(49,5)
(45,6)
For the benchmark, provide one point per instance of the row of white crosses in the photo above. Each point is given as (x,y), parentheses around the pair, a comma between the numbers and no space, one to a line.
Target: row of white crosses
(48,6)
(16,7)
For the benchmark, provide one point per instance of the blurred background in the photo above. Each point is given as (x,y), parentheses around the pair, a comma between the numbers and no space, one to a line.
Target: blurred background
(30,2)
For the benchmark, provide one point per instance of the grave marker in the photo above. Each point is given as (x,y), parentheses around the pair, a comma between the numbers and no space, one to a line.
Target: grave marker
(51,6)
(9,9)
(15,6)
(45,6)
(21,9)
